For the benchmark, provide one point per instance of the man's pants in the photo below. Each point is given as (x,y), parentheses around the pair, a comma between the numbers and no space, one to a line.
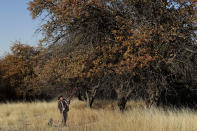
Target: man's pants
(64,116)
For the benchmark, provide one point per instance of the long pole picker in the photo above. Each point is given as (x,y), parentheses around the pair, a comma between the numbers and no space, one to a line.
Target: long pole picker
(72,93)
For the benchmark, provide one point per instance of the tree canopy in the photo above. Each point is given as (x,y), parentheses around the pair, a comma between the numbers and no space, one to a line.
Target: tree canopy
(136,48)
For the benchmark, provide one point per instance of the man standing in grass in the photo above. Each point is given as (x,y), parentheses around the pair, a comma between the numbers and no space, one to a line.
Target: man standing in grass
(63,106)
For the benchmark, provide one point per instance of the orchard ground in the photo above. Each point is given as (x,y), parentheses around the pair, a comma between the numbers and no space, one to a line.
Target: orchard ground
(104,116)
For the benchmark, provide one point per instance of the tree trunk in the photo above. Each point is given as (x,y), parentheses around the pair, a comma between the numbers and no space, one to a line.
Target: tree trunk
(123,96)
(91,95)
(91,102)
(90,99)
(122,103)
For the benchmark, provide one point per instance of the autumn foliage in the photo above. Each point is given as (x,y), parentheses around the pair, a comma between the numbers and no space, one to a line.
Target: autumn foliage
(110,48)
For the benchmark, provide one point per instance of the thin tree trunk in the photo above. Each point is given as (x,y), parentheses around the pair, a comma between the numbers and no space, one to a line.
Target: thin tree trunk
(91,95)
(91,101)
(88,99)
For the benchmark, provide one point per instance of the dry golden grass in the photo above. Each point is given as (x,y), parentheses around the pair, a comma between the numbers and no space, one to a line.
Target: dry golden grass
(104,117)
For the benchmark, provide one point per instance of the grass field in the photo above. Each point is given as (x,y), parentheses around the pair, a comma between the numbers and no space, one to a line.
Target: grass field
(104,117)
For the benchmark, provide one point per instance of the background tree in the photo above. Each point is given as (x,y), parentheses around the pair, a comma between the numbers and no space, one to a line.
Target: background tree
(17,68)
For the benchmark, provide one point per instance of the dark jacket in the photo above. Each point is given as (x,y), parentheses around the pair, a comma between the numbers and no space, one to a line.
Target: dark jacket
(63,106)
